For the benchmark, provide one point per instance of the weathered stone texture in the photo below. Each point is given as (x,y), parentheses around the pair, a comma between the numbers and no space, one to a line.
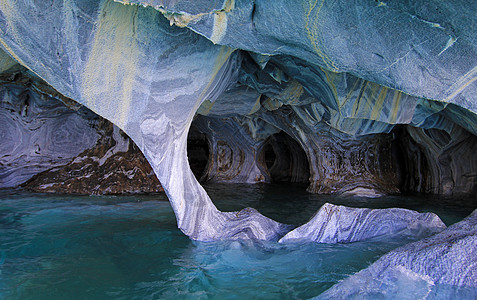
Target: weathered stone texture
(433,267)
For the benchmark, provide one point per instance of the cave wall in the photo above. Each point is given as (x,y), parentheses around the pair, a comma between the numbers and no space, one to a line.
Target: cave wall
(56,145)
(113,166)
(285,160)
(330,161)
(233,152)
(38,132)
(127,64)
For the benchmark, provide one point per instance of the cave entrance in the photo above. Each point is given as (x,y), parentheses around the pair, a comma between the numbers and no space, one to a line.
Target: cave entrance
(285,159)
(197,153)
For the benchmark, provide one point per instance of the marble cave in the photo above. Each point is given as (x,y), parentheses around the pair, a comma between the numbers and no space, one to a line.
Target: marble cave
(360,98)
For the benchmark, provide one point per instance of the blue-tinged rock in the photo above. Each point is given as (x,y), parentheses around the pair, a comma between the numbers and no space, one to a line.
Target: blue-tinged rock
(426,49)
(38,132)
(6,62)
(183,7)
(443,266)
(341,224)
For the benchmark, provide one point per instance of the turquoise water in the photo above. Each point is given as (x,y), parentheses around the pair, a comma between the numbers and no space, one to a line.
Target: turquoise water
(128,247)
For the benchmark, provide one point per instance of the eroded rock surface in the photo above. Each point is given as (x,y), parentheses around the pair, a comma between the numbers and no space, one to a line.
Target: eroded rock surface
(128,64)
(48,146)
(433,267)
(341,224)
(440,162)
(38,132)
(113,166)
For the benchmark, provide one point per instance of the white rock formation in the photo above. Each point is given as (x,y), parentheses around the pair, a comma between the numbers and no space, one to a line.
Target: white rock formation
(341,224)
(443,266)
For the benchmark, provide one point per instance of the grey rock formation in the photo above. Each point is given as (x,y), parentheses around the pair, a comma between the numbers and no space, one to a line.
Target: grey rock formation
(234,151)
(38,132)
(403,46)
(127,64)
(442,162)
(60,146)
(341,224)
(433,267)
(113,166)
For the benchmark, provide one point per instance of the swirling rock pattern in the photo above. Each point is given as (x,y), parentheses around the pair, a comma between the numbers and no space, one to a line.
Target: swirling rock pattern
(447,258)
(410,50)
(234,152)
(64,149)
(341,224)
(38,132)
(440,162)
(106,65)
(113,166)
(332,162)
(327,73)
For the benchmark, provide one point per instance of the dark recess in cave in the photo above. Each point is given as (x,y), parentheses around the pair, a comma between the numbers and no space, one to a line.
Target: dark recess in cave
(269,155)
(410,161)
(197,152)
(432,161)
(285,160)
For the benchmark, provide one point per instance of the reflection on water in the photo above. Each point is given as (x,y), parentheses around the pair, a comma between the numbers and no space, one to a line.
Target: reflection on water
(291,204)
(129,247)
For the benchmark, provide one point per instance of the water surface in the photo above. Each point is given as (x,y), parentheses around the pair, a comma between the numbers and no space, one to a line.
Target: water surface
(129,247)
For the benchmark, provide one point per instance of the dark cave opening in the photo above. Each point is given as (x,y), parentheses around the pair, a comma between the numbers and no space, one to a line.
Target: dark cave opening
(197,153)
(410,162)
(432,161)
(269,156)
(285,159)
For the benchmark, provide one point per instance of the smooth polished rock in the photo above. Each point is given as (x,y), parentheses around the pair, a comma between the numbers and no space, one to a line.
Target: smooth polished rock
(341,224)
(55,145)
(130,66)
(402,46)
(234,151)
(440,266)
(440,162)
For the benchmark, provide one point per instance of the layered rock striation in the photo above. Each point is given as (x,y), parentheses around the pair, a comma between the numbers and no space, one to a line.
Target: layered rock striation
(113,166)
(53,144)
(341,224)
(440,266)
(38,132)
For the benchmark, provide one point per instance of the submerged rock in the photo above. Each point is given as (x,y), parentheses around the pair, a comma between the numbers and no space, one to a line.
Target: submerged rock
(249,224)
(341,224)
(440,266)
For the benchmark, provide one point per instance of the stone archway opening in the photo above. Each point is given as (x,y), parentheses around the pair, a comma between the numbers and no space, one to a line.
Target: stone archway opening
(285,159)
(198,153)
